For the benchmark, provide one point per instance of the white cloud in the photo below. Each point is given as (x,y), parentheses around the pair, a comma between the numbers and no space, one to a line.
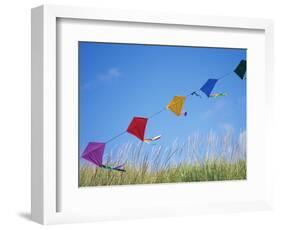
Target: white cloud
(109,75)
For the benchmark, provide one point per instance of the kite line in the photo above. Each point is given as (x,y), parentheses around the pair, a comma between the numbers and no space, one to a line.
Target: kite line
(113,138)
(95,150)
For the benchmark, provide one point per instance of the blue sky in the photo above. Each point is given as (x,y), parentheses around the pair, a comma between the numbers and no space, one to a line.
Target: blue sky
(120,81)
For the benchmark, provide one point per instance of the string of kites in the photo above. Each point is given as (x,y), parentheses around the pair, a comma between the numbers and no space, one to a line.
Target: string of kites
(94,151)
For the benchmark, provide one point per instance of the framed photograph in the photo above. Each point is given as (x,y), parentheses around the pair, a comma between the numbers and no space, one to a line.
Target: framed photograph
(138,114)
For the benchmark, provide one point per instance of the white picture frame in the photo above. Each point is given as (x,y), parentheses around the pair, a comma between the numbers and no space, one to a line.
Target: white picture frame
(54,198)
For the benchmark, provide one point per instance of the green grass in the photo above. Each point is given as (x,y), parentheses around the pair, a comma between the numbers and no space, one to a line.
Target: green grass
(221,158)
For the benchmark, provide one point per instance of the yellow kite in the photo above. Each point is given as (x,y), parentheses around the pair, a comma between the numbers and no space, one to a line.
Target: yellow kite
(176,105)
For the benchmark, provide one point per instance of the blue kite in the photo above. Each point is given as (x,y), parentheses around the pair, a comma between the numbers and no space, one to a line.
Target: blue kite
(208,87)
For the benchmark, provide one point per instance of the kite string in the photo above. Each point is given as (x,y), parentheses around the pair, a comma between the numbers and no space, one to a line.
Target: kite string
(155,114)
(113,138)
(225,75)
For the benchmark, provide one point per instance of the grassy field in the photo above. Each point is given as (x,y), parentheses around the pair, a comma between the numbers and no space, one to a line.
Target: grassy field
(201,158)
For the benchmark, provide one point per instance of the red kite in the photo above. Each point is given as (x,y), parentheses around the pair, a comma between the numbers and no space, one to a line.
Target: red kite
(137,127)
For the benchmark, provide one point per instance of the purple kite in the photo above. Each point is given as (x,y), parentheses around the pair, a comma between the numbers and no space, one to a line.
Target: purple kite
(94,153)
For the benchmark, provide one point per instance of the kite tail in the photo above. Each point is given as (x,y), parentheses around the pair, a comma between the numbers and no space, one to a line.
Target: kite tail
(148,140)
(120,168)
(195,94)
(183,113)
(117,168)
(218,94)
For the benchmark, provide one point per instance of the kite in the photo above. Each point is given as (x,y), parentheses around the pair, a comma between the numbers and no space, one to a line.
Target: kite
(241,69)
(148,140)
(217,94)
(94,153)
(195,94)
(137,127)
(208,86)
(176,105)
